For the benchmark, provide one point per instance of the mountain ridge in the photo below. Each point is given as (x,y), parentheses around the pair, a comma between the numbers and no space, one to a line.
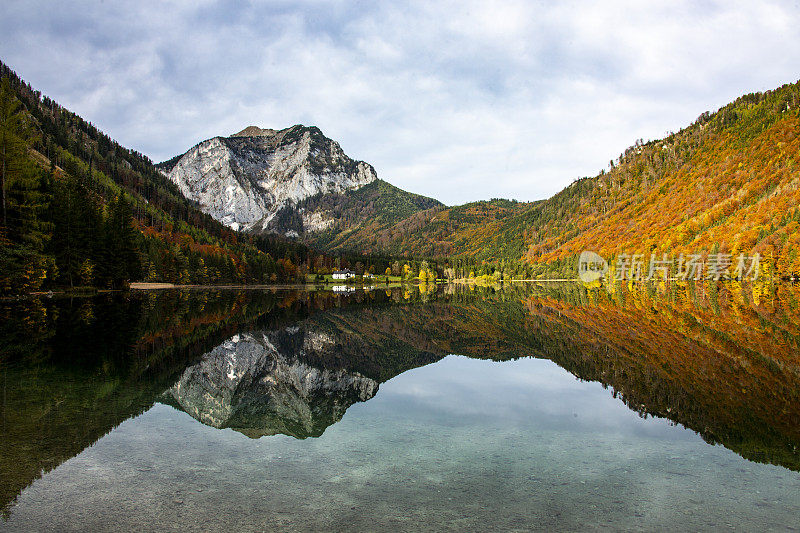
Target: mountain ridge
(254,180)
(727,183)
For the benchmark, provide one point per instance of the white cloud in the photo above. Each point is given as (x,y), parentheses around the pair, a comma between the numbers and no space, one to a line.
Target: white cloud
(460,101)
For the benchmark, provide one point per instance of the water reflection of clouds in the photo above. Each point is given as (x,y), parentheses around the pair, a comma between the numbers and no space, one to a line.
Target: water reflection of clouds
(526,391)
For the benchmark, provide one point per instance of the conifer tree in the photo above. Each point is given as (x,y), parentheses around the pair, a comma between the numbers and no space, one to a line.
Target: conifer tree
(121,262)
(75,225)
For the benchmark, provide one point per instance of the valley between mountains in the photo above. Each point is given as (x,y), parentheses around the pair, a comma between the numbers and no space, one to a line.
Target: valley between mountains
(728,183)
(289,205)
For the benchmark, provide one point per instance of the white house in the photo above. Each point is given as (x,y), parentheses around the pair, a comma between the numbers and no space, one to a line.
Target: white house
(343,274)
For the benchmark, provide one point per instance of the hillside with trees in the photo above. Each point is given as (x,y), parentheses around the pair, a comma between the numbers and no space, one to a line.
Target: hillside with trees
(728,184)
(79,209)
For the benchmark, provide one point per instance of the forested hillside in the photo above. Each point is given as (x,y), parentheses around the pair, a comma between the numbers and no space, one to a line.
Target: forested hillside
(78,209)
(368,211)
(729,183)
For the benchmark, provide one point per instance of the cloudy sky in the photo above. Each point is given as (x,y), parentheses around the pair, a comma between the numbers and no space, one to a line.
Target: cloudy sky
(460,101)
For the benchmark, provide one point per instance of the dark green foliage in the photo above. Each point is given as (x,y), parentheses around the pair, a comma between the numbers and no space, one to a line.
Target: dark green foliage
(120,251)
(23,229)
(373,208)
(77,225)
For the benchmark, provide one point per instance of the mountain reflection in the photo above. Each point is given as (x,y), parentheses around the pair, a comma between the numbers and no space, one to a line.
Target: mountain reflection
(721,360)
(259,384)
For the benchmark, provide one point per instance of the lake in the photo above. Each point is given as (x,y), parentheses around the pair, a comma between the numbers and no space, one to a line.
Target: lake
(526,407)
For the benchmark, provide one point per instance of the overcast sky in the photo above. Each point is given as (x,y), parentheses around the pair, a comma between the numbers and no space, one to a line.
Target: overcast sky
(460,101)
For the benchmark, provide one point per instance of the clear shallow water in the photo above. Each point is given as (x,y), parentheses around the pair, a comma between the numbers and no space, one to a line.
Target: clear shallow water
(458,443)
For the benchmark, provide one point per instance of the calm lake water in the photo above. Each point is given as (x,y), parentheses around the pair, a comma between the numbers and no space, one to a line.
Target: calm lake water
(527,408)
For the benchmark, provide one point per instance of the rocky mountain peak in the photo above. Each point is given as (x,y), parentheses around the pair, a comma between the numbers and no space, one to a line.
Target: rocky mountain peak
(246,179)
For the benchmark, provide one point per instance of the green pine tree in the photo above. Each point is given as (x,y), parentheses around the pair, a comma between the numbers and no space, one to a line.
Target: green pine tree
(76,222)
(121,261)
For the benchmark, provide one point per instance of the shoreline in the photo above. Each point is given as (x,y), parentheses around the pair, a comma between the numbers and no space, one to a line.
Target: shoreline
(143,286)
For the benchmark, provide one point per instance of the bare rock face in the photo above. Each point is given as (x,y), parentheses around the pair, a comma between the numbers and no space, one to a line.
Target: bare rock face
(258,384)
(246,179)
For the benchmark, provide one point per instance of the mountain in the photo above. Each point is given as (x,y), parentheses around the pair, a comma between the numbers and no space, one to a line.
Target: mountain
(728,183)
(294,182)
(79,209)
(83,210)
(462,231)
